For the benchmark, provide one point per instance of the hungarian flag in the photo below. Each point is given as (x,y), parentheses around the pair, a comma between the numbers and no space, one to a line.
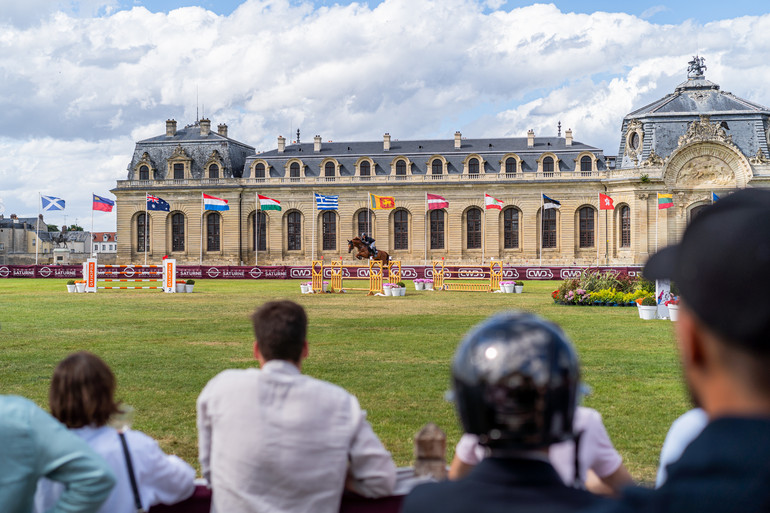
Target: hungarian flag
(665,201)
(435,202)
(491,202)
(266,203)
(103,204)
(605,202)
(382,202)
(214,203)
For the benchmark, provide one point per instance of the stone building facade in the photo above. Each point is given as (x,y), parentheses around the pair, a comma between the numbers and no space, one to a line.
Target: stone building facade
(693,143)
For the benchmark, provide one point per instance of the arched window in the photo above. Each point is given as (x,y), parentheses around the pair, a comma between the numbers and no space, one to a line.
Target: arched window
(510,228)
(586,164)
(294,230)
(178,171)
(177,231)
(436,167)
(294,170)
(695,212)
(473,166)
(549,228)
(329,169)
(400,229)
(141,232)
(365,169)
(259,170)
(363,223)
(548,165)
(213,171)
(260,231)
(212,232)
(510,166)
(400,168)
(144,173)
(436,229)
(586,227)
(625,227)
(329,230)
(473,228)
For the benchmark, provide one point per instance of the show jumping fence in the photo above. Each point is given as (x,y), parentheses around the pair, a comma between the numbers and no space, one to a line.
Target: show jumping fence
(441,275)
(337,278)
(164,275)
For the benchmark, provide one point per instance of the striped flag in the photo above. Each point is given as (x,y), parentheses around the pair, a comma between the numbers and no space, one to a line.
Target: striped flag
(550,203)
(266,203)
(435,202)
(214,203)
(382,202)
(665,201)
(103,204)
(491,202)
(324,202)
(52,203)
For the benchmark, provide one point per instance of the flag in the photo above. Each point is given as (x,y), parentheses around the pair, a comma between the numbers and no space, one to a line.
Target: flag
(605,202)
(52,203)
(665,201)
(268,203)
(323,202)
(435,201)
(382,202)
(550,203)
(491,202)
(157,203)
(714,198)
(103,204)
(214,203)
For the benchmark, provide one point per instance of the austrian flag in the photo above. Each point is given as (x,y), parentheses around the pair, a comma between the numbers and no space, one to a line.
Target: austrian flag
(435,202)
(214,203)
(491,202)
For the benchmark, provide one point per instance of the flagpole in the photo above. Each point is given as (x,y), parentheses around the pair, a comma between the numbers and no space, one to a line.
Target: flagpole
(92,225)
(256,231)
(425,259)
(606,238)
(599,202)
(203,211)
(37,225)
(146,222)
(312,257)
(369,212)
(542,226)
(656,221)
(484,234)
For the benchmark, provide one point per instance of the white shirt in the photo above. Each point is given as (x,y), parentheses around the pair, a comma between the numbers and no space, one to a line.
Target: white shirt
(160,478)
(596,450)
(279,441)
(683,431)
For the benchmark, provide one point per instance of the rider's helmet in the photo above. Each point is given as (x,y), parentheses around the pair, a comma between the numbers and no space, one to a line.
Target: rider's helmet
(363,235)
(515,379)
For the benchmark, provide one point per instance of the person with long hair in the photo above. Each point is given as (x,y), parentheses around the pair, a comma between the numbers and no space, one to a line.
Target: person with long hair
(82,397)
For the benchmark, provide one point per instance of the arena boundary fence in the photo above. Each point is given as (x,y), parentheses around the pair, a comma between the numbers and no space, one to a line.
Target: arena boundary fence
(164,274)
(441,275)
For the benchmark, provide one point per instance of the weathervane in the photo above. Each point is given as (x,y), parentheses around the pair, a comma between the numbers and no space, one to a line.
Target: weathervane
(696,67)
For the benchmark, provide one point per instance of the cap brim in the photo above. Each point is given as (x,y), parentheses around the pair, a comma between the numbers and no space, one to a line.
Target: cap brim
(660,266)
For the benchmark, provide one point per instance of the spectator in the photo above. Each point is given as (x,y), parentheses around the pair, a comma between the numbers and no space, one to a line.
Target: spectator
(515,380)
(682,432)
(35,445)
(723,333)
(272,439)
(82,397)
(597,457)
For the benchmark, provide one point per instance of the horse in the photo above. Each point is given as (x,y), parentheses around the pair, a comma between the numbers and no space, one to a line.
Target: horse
(364,252)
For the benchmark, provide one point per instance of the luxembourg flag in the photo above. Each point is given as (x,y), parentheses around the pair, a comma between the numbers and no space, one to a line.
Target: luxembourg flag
(214,203)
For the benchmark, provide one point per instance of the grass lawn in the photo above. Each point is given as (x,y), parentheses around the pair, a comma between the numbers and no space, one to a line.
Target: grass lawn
(393,353)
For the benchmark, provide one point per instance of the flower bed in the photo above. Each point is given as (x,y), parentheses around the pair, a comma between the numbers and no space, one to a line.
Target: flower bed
(596,288)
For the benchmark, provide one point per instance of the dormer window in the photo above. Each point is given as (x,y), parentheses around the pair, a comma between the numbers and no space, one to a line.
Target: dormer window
(259,170)
(213,171)
(178,171)
(144,173)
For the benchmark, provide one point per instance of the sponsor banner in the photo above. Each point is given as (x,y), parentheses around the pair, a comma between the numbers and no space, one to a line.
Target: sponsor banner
(278,272)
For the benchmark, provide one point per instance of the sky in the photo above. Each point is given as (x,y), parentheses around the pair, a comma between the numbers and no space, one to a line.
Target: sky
(82,81)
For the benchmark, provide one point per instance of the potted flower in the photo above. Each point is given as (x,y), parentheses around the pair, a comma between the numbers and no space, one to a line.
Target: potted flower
(507,286)
(648,307)
(71,286)
(428,284)
(188,286)
(80,285)
(673,309)
(401,286)
(419,284)
(180,286)
(306,287)
(518,287)
(387,289)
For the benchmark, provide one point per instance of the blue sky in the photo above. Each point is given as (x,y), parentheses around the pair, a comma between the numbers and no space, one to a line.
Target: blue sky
(84,80)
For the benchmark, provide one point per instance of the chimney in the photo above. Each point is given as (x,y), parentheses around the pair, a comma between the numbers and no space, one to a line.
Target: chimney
(281,144)
(386,142)
(170,128)
(568,134)
(317,143)
(530,138)
(458,140)
(205,127)
(222,129)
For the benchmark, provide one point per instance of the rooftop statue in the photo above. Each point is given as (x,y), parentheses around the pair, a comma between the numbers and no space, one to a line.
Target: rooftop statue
(696,67)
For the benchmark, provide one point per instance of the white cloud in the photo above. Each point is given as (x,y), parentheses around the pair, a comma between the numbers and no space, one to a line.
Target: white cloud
(78,91)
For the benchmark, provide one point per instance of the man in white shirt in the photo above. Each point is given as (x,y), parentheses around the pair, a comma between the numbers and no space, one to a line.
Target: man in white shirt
(272,439)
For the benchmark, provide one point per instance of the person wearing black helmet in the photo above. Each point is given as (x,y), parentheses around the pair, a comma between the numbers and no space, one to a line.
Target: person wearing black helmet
(370,243)
(723,332)
(515,382)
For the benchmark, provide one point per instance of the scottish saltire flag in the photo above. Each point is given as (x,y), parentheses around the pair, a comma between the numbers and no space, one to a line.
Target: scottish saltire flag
(714,198)
(435,201)
(550,203)
(323,202)
(266,203)
(103,204)
(157,203)
(214,203)
(52,203)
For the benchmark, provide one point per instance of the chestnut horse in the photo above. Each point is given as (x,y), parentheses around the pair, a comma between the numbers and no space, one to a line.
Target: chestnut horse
(365,252)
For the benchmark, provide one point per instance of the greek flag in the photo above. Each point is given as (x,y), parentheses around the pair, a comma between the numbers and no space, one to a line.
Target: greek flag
(323,202)
(52,203)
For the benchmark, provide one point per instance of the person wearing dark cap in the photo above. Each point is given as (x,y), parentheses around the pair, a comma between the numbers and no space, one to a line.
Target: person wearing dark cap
(515,384)
(723,333)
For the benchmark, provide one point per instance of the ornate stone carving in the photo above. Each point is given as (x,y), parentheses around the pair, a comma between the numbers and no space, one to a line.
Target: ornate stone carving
(179,153)
(634,139)
(643,196)
(698,96)
(696,67)
(759,158)
(653,160)
(704,130)
(705,171)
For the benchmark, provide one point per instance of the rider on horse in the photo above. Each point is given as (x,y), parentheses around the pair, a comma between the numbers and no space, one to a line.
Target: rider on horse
(369,242)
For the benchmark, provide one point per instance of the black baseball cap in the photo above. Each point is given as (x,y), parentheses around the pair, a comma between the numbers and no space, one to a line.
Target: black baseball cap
(722,268)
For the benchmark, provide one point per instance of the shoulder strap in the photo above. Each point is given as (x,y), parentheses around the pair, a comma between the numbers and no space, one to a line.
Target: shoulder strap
(131,476)
(578,483)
